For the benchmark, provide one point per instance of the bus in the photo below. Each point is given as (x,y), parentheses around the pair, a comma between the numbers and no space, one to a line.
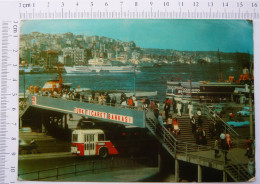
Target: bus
(89,142)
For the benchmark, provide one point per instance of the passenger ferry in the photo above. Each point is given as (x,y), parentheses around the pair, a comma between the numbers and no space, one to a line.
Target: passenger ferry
(105,68)
(201,90)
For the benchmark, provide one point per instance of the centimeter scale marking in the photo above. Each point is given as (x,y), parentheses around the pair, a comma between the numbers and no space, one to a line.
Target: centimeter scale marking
(9,99)
(152,9)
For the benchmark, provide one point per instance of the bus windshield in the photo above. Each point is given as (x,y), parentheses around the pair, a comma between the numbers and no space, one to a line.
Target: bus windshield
(74,137)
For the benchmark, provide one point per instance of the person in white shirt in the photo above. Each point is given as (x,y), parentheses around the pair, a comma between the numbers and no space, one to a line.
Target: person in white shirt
(190,108)
(178,107)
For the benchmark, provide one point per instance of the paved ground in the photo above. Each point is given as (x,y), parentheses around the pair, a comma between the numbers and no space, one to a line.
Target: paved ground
(123,175)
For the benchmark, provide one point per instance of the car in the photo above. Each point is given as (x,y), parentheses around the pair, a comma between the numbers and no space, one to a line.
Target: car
(244,112)
(221,108)
(25,147)
(238,123)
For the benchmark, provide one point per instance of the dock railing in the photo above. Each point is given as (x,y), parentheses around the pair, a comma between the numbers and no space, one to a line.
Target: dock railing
(217,119)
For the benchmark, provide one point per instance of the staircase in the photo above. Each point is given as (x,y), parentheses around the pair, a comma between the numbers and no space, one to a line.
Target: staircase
(162,134)
(185,143)
(186,130)
(238,172)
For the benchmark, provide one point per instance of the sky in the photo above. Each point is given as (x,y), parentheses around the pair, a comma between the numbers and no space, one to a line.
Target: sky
(182,35)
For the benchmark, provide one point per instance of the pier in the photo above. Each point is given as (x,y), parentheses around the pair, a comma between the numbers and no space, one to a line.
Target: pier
(181,149)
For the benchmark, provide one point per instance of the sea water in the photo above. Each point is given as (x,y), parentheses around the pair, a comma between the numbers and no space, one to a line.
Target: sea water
(149,79)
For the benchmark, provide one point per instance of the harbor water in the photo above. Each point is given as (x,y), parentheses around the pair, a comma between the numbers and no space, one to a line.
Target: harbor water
(149,79)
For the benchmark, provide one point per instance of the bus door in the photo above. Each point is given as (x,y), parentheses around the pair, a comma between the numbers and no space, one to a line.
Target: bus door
(89,144)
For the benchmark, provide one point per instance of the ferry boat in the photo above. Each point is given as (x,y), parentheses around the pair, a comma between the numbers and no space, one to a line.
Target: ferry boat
(105,68)
(202,90)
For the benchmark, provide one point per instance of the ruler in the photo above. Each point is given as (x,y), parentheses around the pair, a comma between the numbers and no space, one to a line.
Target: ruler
(12,12)
(151,9)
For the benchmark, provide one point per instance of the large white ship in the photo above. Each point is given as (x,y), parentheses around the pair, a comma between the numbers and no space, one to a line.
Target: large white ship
(100,69)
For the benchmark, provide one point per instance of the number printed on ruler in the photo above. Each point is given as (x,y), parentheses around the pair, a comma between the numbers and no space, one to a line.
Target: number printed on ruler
(139,9)
(9,99)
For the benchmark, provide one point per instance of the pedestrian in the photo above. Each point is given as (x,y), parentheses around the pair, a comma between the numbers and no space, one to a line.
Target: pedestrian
(113,100)
(156,111)
(167,110)
(228,140)
(223,140)
(216,147)
(251,166)
(124,104)
(169,123)
(231,115)
(130,102)
(179,106)
(250,149)
(225,150)
(247,143)
(204,138)
(176,128)
(190,108)
(212,130)
(160,118)
(199,112)
(152,104)
(193,124)
(134,99)
(197,136)
(200,122)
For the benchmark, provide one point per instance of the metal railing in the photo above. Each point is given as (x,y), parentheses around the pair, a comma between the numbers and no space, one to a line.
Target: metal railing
(161,133)
(240,170)
(206,153)
(117,105)
(23,106)
(209,113)
(89,167)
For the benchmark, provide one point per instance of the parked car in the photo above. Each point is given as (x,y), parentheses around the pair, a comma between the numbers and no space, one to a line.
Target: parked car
(221,108)
(25,147)
(244,112)
(238,123)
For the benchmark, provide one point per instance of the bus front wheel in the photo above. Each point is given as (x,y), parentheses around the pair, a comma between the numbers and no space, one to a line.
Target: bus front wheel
(103,153)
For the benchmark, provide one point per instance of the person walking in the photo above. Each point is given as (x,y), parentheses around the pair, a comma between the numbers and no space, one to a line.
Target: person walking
(190,108)
(216,148)
(197,136)
(179,106)
(228,140)
(167,110)
(169,123)
(176,128)
(223,140)
(193,124)
(160,118)
(204,138)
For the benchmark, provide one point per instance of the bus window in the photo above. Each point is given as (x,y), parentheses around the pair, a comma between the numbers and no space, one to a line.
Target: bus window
(75,138)
(101,137)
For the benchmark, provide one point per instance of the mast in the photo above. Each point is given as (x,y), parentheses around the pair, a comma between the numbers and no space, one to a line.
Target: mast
(219,65)
(190,81)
